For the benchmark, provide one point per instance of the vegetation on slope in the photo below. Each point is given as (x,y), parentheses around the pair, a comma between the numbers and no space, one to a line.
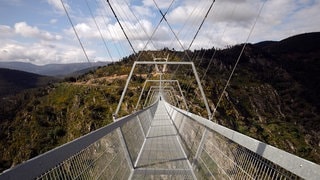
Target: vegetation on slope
(269,98)
(273,95)
(37,120)
(14,81)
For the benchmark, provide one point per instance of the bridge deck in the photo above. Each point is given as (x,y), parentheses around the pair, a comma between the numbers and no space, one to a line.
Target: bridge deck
(162,155)
(109,152)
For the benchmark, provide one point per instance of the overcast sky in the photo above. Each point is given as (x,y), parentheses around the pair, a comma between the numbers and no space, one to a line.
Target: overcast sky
(38,31)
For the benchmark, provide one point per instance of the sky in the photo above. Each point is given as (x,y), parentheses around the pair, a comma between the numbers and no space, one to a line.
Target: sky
(39,32)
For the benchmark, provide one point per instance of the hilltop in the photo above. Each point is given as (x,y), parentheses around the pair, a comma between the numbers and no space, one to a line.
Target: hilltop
(14,81)
(59,70)
(272,97)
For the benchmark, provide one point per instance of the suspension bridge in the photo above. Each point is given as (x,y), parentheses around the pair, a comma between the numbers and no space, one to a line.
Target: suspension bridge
(164,140)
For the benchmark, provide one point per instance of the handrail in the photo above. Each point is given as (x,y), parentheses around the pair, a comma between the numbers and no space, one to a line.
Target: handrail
(298,166)
(44,162)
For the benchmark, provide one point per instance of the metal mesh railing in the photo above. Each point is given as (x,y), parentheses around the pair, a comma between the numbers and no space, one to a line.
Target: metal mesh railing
(145,145)
(217,152)
(134,137)
(103,159)
(223,158)
(107,153)
(190,134)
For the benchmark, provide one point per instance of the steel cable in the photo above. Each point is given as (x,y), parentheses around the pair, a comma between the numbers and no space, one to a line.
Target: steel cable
(205,17)
(236,64)
(125,34)
(107,28)
(75,32)
(101,36)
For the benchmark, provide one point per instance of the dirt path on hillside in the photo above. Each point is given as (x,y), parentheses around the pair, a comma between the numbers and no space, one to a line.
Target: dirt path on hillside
(106,78)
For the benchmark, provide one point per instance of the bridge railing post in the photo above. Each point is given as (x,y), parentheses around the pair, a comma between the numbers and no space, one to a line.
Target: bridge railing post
(125,89)
(228,154)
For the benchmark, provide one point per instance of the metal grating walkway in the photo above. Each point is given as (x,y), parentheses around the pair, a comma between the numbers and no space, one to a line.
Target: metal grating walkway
(162,155)
(122,151)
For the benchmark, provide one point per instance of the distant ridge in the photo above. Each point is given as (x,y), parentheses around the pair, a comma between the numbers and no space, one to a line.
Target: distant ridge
(273,97)
(14,81)
(302,43)
(51,69)
(300,56)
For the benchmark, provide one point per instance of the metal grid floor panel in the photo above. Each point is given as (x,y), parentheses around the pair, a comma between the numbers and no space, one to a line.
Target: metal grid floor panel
(164,121)
(162,151)
(161,131)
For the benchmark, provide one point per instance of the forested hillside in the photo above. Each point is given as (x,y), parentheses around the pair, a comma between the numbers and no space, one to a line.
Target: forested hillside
(14,81)
(273,97)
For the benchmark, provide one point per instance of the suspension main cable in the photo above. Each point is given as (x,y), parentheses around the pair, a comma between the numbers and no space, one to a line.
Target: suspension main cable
(185,23)
(210,62)
(215,49)
(144,30)
(189,73)
(235,66)
(115,15)
(175,35)
(128,24)
(111,31)
(124,18)
(183,27)
(205,17)
(158,25)
(171,29)
(155,30)
(180,31)
(75,32)
(101,36)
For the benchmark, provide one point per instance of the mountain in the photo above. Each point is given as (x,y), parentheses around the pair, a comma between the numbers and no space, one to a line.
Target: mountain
(302,43)
(14,81)
(52,69)
(299,56)
(273,97)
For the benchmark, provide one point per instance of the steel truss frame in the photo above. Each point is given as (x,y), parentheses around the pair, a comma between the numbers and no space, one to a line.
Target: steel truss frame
(164,81)
(163,63)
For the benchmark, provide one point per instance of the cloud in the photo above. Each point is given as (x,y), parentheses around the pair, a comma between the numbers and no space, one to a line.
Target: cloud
(239,13)
(53,21)
(41,53)
(84,30)
(305,19)
(23,29)
(143,11)
(19,52)
(163,4)
(135,30)
(56,4)
(294,18)
(12,2)
(228,23)
(6,31)
(42,47)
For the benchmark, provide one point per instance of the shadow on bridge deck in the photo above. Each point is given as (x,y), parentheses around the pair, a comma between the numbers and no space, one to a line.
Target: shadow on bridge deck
(162,153)
(164,142)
